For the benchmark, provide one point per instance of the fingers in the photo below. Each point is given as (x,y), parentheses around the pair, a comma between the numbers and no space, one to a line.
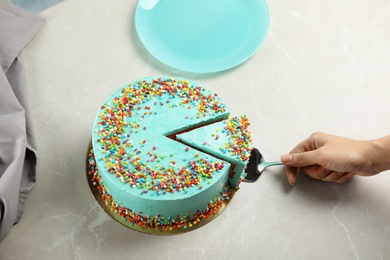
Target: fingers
(301,159)
(346,177)
(291,174)
(323,174)
(313,142)
(319,173)
(332,156)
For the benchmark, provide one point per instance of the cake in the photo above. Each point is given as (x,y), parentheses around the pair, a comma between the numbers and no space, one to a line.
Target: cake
(227,140)
(166,153)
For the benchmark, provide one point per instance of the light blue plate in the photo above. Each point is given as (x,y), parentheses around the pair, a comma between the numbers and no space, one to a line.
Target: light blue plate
(202,35)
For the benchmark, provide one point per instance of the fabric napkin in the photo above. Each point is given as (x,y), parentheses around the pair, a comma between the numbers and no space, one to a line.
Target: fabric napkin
(18,150)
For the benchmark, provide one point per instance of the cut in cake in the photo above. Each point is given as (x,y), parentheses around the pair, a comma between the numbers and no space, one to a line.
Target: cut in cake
(166,153)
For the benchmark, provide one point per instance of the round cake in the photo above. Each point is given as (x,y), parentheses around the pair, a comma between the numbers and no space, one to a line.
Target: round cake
(166,153)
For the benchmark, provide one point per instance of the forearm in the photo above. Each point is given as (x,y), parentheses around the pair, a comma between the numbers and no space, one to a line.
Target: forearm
(379,155)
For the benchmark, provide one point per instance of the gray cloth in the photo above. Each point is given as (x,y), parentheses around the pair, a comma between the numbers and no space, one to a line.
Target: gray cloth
(17,142)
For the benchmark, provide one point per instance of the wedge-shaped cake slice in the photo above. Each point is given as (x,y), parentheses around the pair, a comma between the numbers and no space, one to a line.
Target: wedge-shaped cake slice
(229,140)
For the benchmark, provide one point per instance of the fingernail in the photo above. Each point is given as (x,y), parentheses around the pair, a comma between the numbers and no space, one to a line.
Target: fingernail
(286,158)
(350,175)
(291,181)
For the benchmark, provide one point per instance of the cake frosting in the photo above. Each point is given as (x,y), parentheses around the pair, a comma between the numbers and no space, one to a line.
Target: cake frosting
(150,178)
(228,140)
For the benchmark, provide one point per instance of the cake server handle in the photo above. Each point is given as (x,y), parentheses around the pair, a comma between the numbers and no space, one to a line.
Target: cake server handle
(257,165)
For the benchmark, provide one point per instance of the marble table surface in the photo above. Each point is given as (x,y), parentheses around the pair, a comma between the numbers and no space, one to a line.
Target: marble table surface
(324,66)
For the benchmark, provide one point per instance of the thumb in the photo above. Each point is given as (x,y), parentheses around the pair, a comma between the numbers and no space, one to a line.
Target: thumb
(300,159)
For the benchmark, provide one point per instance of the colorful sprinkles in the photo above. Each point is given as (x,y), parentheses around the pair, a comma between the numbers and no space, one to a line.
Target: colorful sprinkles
(118,123)
(138,164)
(239,144)
(164,223)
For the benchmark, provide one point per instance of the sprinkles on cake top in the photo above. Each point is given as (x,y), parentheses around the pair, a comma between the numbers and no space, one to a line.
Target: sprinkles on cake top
(145,173)
(123,159)
(229,140)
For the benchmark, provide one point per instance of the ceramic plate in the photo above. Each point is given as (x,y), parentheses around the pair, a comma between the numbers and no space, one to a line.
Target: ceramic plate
(202,35)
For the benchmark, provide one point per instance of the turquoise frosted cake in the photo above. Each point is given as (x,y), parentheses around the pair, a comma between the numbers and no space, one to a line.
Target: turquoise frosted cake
(167,152)
(227,140)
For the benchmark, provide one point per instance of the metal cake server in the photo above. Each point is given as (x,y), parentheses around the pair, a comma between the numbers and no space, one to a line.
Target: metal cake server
(256,166)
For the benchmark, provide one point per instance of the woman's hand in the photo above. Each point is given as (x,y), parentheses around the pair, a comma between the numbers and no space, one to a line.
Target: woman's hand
(337,159)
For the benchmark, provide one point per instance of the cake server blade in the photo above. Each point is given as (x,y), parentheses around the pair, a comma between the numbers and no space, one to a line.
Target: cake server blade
(257,165)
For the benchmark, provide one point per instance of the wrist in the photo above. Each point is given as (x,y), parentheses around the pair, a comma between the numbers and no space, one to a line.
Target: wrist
(379,154)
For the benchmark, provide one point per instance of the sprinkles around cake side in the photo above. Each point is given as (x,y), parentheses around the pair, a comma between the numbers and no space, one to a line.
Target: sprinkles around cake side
(229,140)
(148,178)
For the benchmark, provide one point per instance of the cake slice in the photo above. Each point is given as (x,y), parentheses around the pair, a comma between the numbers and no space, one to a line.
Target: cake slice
(229,140)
